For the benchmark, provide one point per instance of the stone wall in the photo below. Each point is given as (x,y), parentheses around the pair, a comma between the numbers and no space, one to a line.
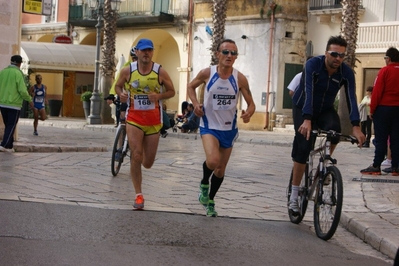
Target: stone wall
(10,32)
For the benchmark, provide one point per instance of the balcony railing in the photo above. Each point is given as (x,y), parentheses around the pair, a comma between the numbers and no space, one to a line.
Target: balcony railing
(377,37)
(326,4)
(134,8)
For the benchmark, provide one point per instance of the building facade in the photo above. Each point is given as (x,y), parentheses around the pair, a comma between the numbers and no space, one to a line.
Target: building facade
(378,30)
(272,47)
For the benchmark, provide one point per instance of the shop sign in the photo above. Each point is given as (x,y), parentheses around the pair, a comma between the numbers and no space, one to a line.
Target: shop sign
(39,7)
(62,39)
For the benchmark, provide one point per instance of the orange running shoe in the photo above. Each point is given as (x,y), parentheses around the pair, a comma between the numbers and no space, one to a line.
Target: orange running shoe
(139,202)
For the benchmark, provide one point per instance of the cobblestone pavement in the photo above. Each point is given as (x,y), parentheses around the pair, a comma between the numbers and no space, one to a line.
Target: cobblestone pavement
(47,168)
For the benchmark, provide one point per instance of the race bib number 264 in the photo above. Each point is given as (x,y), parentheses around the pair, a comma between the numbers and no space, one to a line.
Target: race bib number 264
(223,102)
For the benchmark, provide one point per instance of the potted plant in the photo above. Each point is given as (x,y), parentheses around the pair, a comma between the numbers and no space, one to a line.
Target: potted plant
(85,98)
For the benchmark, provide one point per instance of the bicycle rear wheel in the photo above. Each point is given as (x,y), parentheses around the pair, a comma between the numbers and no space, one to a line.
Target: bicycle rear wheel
(117,150)
(302,197)
(328,206)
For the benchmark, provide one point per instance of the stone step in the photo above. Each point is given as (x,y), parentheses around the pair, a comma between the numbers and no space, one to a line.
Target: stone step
(286,129)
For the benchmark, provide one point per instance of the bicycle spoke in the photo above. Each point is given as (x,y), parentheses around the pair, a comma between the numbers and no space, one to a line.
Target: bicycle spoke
(117,152)
(327,210)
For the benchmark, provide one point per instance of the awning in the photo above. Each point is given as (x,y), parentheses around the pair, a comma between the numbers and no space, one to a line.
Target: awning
(58,56)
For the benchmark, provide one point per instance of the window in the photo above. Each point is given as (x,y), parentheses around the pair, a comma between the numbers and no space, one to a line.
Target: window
(53,17)
(391,10)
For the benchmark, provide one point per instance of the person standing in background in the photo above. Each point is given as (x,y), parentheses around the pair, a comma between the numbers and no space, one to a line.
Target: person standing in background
(38,92)
(384,110)
(13,91)
(365,119)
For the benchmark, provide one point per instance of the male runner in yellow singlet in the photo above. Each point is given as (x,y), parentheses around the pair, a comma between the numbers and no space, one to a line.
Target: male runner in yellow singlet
(149,83)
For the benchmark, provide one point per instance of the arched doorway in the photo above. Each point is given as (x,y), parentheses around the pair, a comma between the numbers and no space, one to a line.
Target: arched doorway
(166,53)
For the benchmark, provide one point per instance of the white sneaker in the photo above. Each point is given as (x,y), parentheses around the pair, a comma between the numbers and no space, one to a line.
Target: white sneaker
(6,150)
(386,162)
(294,207)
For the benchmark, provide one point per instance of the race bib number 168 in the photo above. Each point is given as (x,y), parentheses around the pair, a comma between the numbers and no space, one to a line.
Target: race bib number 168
(141,102)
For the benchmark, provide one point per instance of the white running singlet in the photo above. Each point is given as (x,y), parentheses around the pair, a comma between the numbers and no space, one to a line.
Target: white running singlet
(220,102)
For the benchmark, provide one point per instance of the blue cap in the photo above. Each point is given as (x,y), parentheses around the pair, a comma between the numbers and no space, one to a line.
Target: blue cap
(144,44)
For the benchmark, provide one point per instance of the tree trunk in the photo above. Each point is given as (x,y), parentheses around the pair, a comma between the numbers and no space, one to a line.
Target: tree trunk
(219,21)
(106,115)
(108,59)
(349,28)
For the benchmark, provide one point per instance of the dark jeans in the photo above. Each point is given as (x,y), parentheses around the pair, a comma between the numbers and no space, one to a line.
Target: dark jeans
(163,129)
(366,128)
(328,120)
(386,123)
(10,119)
(190,125)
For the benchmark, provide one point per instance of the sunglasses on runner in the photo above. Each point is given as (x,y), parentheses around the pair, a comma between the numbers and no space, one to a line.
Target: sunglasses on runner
(226,52)
(336,54)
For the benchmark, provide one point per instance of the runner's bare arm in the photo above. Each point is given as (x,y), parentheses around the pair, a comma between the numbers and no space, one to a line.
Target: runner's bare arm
(246,93)
(165,79)
(201,78)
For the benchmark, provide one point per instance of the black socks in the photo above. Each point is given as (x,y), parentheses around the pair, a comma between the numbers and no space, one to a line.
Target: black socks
(216,182)
(207,174)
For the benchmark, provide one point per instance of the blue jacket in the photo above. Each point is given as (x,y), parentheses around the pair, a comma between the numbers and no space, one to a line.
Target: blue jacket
(317,90)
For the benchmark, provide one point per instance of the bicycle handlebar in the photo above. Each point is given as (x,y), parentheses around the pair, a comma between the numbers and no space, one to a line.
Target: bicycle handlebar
(332,133)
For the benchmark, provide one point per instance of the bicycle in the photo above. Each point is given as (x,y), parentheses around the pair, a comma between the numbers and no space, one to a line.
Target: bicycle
(323,185)
(120,149)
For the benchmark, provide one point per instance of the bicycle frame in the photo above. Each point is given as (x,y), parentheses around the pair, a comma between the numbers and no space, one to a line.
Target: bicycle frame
(324,150)
(322,184)
(125,144)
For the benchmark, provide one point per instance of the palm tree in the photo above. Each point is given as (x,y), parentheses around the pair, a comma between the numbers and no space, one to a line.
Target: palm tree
(108,56)
(349,28)
(219,21)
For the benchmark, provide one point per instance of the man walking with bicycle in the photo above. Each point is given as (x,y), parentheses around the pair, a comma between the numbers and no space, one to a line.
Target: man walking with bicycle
(313,106)
(149,84)
(121,107)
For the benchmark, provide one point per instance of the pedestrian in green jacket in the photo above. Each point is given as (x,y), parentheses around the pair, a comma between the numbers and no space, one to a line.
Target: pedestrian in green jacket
(13,91)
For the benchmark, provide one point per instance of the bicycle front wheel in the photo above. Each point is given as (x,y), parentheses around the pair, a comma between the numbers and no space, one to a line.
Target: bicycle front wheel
(117,150)
(302,197)
(328,205)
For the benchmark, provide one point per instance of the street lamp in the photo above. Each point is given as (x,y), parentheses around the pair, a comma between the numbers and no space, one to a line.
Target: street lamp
(95,105)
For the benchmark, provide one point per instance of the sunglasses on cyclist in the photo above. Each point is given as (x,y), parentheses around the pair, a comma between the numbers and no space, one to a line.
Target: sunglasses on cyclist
(336,54)
(226,52)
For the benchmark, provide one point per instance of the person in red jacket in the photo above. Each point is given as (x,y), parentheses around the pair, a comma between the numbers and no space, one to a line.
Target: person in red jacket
(384,110)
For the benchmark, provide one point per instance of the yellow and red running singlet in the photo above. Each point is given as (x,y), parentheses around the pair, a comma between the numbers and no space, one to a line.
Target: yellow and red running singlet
(140,109)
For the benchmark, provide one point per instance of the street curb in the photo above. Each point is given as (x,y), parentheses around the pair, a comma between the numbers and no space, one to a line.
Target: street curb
(378,240)
(21,146)
(24,147)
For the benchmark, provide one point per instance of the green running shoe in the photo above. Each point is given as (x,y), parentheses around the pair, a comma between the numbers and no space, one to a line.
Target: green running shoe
(203,196)
(210,209)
